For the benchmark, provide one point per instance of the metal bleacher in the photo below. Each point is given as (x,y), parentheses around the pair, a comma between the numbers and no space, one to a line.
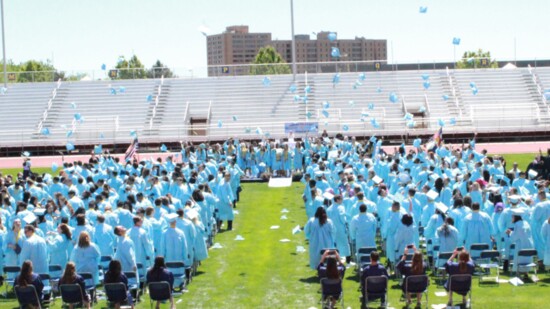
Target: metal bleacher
(205,108)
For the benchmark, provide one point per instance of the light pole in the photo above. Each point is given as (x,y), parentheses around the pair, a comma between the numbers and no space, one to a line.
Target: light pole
(293,40)
(4,45)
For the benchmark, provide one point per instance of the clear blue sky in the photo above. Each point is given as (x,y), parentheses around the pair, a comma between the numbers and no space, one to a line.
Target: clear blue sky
(81,35)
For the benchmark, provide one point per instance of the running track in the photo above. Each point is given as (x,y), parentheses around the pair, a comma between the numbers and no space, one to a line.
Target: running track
(493,148)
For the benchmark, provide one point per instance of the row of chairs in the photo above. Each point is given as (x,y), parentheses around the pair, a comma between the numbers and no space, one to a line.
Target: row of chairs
(72,294)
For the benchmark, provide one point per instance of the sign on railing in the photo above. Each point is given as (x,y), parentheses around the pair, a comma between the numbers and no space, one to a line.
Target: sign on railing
(301,127)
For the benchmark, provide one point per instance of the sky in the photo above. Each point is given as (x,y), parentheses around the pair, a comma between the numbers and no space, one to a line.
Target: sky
(81,35)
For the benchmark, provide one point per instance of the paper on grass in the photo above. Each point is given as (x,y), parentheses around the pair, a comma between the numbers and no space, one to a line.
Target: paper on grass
(239,237)
(283,217)
(274,227)
(440,293)
(284,210)
(285,240)
(296,230)
(280,182)
(516,281)
(216,246)
(300,249)
(235,212)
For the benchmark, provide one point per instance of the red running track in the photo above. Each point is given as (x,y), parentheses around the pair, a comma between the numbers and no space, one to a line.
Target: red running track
(493,148)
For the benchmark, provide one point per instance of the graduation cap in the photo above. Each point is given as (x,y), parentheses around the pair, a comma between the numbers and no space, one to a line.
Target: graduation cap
(398,197)
(404,178)
(432,195)
(30,218)
(518,211)
(327,195)
(532,174)
(514,199)
(502,177)
(171,217)
(434,176)
(40,212)
(377,180)
(191,214)
(441,207)
(25,154)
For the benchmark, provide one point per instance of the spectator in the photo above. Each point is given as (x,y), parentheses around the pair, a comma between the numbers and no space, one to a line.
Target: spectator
(373,269)
(115,275)
(27,277)
(464,266)
(417,267)
(71,277)
(159,273)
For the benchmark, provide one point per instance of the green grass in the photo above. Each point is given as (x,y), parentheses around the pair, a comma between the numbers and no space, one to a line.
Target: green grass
(522,159)
(14,171)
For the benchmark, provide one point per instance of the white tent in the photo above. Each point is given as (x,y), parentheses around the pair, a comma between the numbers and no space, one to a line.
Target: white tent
(509,66)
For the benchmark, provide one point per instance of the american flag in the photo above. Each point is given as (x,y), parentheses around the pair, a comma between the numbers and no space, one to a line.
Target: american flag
(132,150)
(435,141)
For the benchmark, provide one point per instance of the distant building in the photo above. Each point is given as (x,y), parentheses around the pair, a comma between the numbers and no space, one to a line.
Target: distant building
(237,46)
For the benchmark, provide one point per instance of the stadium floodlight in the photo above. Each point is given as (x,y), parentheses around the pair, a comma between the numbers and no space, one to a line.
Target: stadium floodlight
(4,45)
(293,40)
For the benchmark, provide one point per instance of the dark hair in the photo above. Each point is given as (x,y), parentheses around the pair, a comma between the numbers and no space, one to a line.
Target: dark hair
(80,219)
(65,230)
(113,274)
(516,218)
(321,214)
(463,259)
(438,185)
(363,208)
(332,268)
(69,275)
(407,220)
(417,266)
(157,268)
(458,203)
(475,206)
(25,277)
(374,256)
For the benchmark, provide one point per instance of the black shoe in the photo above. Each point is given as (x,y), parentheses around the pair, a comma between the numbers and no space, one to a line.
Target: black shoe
(229,225)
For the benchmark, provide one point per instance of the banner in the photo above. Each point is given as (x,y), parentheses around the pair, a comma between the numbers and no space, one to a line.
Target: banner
(301,127)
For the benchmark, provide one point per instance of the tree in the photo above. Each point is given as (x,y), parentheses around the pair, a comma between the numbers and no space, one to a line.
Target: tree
(266,56)
(477,59)
(159,69)
(130,69)
(36,71)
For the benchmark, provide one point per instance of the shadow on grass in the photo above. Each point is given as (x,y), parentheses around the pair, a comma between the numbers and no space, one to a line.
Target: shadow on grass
(310,280)
(354,278)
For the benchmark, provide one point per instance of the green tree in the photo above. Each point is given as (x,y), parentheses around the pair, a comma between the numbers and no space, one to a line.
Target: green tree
(36,71)
(159,69)
(266,56)
(477,59)
(130,69)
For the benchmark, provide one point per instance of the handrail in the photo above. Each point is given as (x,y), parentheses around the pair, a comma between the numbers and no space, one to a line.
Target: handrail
(48,106)
(537,109)
(427,104)
(404,104)
(159,91)
(186,113)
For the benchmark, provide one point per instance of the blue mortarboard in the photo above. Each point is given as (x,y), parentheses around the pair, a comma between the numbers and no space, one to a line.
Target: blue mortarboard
(417,142)
(69,133)
(335,52)
(69,146)
(471,60)
(297,98)
(345,127)
(325,113)
(149,98)
(259,131)
(374,123)
(422,109)
(452,121)
(112,91)
(45,131)
(308,115)
(351,103)
(411,124)
(307,89)
(304,99)
(122,89)
(77,116)
(372,139)
(163,148)
(425,76)
(362,76)
(332,36)
(103,67)
(326,105)
(3,90)
(326,123)
(247,130)
(441,122)
(358,83)
(73,105)
(266,81)
(474,91)
(171,217)
(393,97)
(379,143)
(98,149)
(472,85)
(292,88)
(426,84)
(408,116)
(220,124)
(54,167)
(370,106)
(101,135)
(30,218)
(456,41)
(235,118)
(423,10)
(336,79)
(445,97)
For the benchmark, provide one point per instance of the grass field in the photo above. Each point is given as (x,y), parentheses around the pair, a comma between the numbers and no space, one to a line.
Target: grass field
(261,271)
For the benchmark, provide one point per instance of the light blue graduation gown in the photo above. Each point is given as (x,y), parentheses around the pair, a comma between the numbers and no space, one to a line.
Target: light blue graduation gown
(320,237)
(188,229)
(59,249)
(404,236)
(173,246)
(545,233)
(105,239)
(142,245)
(447,242)
(36,250)
(126,253)
(337,214)
(201,252)
(87,260)
(540,213)
(521,236)
(388,233)
(11,258)
(363,230)
(225,204)
(477,229)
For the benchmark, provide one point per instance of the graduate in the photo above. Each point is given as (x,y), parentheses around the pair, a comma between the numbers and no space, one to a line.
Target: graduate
(320,232)
(476,229)
(34,249)
(225,203)
(521,236)
(142,245)
(337,214)
(125,252)
(363,229)
(86,257)
(173,246)
(59,243)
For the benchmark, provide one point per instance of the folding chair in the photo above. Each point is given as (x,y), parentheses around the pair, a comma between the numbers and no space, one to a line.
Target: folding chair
(331,291)
(141,272)
(526,267)
(11,273)
(47,290)
(439,266)
(375,287)
(159,291)
(462,285)
(178,270)
(493,262)
(90,285)
(475,251)
(417,284)
(56,271)
(361,252)
(72,294)
(116,293)
(363,262)
(27,296)
(133,283)
(104,261)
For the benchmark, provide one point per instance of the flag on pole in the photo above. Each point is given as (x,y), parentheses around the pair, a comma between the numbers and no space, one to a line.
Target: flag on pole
(435,141)
(132,150)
